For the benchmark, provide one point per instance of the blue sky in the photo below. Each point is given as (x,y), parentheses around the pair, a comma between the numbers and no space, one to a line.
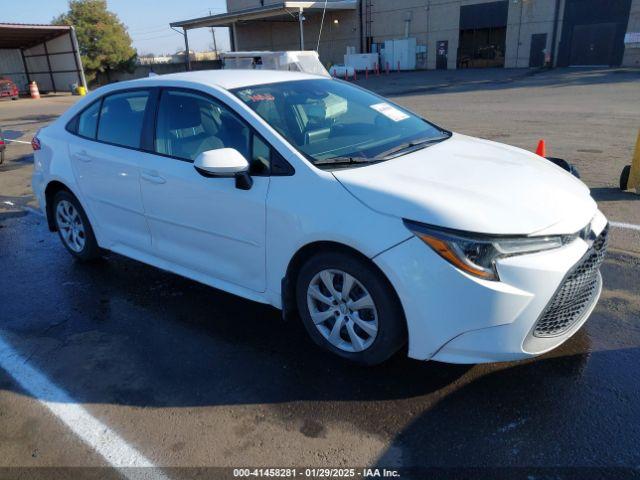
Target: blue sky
(147,21)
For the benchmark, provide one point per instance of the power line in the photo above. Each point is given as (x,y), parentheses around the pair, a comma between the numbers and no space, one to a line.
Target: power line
(149,30)
(158,25)
(324,10)
(151,35)
(152,38)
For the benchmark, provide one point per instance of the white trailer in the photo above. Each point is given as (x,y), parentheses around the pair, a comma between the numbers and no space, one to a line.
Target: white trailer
(295,61)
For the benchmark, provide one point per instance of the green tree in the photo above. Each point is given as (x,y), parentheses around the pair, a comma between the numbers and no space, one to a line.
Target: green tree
(103,40)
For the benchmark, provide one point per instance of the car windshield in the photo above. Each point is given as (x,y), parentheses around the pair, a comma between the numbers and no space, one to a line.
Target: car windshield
(335,124)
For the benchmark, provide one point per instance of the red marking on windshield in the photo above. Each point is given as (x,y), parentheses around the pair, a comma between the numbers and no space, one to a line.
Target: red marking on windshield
(262,97)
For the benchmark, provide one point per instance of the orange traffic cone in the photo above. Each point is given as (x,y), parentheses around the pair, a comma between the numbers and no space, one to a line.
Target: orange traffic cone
(542,148)
(33,90)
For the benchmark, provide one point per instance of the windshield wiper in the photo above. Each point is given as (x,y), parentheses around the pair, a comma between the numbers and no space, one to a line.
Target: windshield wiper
(344,160)
(410,147)
(387,155)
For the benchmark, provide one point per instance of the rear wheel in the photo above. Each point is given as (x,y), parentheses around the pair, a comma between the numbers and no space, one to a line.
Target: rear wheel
(349,308)
(74,228)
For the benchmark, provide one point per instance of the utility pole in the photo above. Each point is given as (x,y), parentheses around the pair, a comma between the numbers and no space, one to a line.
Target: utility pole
(187,57)
(301,20)
(519,28)
(213,34)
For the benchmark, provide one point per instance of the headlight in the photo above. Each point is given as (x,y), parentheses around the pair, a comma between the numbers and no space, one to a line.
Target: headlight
(476,254)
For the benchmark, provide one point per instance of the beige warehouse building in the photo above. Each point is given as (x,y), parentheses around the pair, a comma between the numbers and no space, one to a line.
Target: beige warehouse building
(444,34)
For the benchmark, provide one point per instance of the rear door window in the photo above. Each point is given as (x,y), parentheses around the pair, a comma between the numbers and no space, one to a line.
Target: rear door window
(121,118)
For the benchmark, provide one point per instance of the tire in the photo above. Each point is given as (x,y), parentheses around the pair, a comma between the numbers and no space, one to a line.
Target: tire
(74,228)
(624,177)
(315,300)
(573,170)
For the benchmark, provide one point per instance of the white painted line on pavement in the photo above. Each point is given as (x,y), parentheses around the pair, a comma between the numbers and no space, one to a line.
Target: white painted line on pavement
(35,211)
(17,141)
(27,208)
(104,441)
(628,226)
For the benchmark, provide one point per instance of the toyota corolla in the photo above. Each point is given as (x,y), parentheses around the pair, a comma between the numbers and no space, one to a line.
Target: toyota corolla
(373,226)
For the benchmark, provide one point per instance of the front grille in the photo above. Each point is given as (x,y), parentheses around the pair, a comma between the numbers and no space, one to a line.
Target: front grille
(576,293)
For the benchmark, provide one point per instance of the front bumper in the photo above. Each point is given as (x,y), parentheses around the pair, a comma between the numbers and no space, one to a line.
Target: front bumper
(456,318)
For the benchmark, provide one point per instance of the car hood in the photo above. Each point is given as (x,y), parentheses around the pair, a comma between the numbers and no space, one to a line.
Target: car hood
(476,185)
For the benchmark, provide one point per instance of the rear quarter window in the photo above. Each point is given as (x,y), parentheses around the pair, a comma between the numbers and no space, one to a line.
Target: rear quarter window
(86,122)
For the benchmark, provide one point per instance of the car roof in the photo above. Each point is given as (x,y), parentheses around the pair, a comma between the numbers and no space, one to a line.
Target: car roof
(230,79)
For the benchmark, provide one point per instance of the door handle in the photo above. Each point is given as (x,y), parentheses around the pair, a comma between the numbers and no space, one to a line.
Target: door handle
(152,177)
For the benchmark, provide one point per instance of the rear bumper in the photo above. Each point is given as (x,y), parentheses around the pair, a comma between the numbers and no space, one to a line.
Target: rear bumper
(38,187)
(456,318)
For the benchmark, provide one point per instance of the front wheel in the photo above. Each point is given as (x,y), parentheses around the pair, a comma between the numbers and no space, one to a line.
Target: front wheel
(74,228)
(349,308)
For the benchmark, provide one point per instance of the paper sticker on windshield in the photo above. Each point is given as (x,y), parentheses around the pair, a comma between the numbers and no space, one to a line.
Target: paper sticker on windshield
(262,97)
(390,111)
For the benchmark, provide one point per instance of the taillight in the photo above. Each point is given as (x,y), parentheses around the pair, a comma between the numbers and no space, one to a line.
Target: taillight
(35,143)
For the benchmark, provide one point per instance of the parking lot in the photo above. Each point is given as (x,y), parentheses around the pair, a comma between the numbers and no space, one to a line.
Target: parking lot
(179,376)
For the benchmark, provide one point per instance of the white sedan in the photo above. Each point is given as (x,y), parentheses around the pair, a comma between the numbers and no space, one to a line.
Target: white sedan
(377,227)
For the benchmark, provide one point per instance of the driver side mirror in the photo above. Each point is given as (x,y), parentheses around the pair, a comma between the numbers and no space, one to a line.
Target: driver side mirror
(224,163)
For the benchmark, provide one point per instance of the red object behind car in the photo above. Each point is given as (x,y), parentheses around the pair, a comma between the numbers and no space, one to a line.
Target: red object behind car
(3,147)
(8,89)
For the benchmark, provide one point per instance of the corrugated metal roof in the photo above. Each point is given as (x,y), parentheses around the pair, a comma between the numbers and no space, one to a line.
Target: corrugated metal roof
(266,11)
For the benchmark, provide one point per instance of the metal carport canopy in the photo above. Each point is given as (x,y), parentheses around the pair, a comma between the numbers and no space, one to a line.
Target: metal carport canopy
(258,13)
(23,37)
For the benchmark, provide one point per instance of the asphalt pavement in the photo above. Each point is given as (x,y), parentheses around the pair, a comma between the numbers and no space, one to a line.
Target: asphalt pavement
(183,377)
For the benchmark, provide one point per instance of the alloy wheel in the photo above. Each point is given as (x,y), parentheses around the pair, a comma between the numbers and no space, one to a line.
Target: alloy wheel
(70,225)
